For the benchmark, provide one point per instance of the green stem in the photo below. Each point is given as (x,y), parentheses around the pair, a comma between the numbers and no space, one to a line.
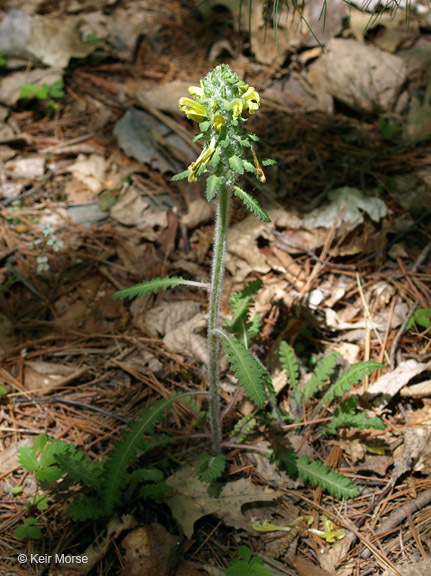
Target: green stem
(217,274)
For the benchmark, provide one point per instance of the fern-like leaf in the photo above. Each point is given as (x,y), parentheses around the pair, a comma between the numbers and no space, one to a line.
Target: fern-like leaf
(243,427)
(79,467)
(154,285)
(213,186)
(155,491)
(318,474)
(289,363)
(240,304)
(146,475)
(85,508)
(246,367)
(324,368)
(349,378)
(251,204)
(196,408)
(125,452)
(346,415)
(210,468)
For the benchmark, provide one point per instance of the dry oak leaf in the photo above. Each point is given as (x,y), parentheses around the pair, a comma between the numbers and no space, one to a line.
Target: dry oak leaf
(191,500)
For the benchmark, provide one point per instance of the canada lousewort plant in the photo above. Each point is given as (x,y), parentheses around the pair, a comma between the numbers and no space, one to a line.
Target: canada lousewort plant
(221,105)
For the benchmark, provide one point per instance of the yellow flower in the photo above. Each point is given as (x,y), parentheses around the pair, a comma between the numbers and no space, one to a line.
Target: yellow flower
(203,159)
(195,91)
(193,110)
(237,109)
(252,99)
(217,121)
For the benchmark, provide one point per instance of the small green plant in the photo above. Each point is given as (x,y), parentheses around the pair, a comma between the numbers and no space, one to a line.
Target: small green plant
(90,39)
(28,530)
(247,564)
(102,484)
(46,92)
(421,317)
(388,128)
(3,61)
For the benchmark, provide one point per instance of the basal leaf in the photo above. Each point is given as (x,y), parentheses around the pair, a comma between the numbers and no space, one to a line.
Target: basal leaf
(349,378)
(289,363)
(323,370)
(318,474)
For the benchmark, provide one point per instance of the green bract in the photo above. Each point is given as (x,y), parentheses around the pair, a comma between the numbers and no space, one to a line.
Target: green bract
(219,107)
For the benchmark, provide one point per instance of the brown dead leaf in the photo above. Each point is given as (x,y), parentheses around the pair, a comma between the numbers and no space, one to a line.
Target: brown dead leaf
(243,254)
(191,500)
(130,208)
(392,29)
(306,568)
(415,453)
(55,41)
(389,384)
(90,170)
(362,76)
(163,319)
(165,96)
(335,554)
(148,551)
(45,377)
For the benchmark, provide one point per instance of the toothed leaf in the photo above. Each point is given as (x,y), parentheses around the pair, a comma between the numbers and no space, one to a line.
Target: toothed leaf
(268,162)
(210,468)
(323,370)
(346,415)
(149,286)
(318,474)
(180,176)
(289,363)
(251,204)
(247,368)
(126,451)
(236,164)
(212,187)
(349,378)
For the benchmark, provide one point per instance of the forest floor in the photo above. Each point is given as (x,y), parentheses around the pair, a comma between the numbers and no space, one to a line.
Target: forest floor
(87,208)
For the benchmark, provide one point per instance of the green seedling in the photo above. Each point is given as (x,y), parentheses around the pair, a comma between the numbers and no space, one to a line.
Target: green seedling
(28,530)
(3,61)
(90,39)
(46,92)
(388,129)
(247,564)
(421,317)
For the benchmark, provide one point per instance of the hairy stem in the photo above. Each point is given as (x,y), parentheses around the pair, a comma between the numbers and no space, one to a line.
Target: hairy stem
(217,274)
